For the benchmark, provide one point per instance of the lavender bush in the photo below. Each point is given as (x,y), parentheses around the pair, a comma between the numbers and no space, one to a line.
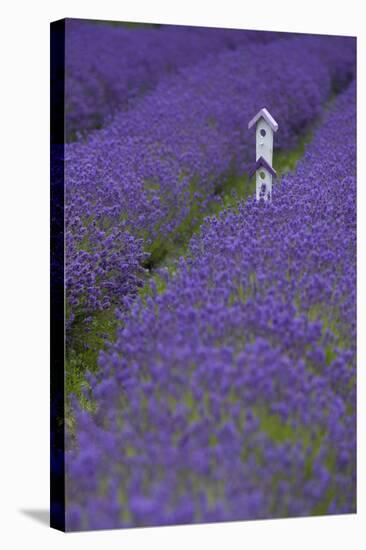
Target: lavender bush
(231,393)
(141,182)
(109,67)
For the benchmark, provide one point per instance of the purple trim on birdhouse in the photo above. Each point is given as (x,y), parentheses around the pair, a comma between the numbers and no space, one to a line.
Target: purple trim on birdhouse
(262,163)
(267,117)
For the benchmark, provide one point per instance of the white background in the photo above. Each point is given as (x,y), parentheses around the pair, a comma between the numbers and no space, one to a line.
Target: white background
(24,231)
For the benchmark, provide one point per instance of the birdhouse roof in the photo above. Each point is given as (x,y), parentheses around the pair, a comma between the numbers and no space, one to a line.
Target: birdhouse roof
(262,163)
(263,113)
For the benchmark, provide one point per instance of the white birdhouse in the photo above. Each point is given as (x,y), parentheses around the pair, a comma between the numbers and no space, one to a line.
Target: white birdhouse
(265,127)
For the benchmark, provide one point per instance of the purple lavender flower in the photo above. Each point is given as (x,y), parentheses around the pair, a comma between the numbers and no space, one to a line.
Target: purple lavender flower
(111,67)
(133,187)
(231,394)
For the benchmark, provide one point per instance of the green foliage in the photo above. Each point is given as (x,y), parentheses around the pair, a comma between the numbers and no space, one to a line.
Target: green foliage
(126,24)
(274,427)
(286,161)
(87,340)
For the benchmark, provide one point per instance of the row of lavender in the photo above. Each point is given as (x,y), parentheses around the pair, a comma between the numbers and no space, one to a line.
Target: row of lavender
(107,66)
(231,395)
(136,185)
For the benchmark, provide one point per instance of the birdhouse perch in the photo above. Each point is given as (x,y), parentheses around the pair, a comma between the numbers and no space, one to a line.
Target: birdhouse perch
(265,127)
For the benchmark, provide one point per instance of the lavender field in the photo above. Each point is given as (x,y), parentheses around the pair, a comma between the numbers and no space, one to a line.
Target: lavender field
(210,338)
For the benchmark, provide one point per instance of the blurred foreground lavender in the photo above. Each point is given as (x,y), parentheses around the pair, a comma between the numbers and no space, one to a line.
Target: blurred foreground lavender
(231,394)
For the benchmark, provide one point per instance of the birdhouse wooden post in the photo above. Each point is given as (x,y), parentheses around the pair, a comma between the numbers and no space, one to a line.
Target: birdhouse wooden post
(265,127)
